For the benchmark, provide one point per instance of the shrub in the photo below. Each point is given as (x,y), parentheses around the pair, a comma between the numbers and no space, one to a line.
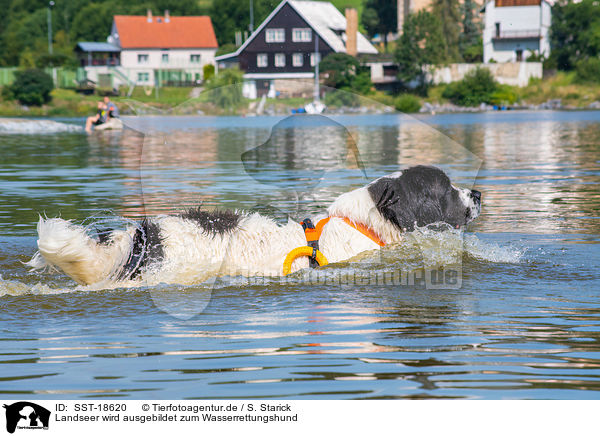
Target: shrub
(208,71)
(474,53)
(338,97)
(407,103)
(504,95)
(588,70)
(475,88)
(535,57)
(31,87)
(226,88)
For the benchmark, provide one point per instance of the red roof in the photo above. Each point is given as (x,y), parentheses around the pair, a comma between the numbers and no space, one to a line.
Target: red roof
(180,32)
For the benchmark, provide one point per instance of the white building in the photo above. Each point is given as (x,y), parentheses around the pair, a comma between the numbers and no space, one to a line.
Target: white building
(514,29)
(171,51)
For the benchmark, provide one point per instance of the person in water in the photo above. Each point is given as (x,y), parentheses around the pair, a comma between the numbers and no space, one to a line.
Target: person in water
(112,109)
(100,117)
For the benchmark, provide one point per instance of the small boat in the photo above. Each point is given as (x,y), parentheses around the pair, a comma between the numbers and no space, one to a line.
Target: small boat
(314,108)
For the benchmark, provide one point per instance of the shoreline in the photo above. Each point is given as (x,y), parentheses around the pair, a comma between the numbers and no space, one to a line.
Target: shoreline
(427,109)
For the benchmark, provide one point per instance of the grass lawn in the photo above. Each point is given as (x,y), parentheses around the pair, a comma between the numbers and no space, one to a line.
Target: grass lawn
(561,86)
(171,96)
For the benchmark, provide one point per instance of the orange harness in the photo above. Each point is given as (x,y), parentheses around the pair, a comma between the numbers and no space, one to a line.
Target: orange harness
(313,234)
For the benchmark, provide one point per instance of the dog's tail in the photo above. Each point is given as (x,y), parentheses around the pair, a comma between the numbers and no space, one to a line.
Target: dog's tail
(66,246)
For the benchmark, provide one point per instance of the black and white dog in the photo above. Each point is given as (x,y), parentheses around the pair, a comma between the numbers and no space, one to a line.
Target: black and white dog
(197,245)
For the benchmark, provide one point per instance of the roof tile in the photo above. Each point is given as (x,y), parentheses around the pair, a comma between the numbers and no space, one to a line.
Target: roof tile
(179,32)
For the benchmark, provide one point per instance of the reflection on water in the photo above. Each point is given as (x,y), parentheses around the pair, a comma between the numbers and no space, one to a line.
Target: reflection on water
(524,324)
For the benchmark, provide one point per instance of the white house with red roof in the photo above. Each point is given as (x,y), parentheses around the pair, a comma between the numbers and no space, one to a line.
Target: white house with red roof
(170,51)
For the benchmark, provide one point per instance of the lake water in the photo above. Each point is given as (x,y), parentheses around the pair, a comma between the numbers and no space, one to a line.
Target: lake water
(521,322)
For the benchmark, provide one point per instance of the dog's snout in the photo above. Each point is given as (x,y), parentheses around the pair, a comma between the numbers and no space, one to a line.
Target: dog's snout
(476,194)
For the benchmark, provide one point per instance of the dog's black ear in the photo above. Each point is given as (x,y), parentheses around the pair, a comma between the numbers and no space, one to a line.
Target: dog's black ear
(391,200)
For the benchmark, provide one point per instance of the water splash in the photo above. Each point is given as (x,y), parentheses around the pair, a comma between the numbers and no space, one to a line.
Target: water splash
(36,127)
(430,247)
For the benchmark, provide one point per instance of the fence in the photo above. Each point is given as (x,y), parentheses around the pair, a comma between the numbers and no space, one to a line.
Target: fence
(64,78)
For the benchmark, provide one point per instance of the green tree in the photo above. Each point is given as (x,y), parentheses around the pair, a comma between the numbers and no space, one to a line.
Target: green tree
(574,33)
(32,87)
(344,72)
(28,31)
(422,43)
(470,40)
(588,70)
(24,22)
(93,22)
(380,17)
(340,68)
(234,15)
(449,16)
(208,71)
(225,49)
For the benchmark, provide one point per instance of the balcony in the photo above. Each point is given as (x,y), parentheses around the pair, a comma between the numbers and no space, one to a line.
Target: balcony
(517,34)
(105,62)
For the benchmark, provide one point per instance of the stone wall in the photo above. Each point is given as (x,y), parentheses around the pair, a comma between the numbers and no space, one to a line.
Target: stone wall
(510,73)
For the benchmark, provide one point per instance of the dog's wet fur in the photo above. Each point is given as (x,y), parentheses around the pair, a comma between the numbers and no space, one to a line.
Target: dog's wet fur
(252,243)
(213,222)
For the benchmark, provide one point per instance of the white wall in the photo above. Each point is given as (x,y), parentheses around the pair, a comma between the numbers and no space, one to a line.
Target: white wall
(179,59)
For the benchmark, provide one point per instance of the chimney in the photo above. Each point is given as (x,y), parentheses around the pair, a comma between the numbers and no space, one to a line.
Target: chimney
(351,31)
(404,8)
(149,15)
(167,16)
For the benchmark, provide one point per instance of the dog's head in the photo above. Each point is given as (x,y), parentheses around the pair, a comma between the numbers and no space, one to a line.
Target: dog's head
(423,195)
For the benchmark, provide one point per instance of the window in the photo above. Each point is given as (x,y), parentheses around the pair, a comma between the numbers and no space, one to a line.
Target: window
(142,58)
(262,60)
(497,30)
(301,35)
(195,58)
(312,59)
(279,60)
(275,35)
(143,77)
(297,59)
(165,58)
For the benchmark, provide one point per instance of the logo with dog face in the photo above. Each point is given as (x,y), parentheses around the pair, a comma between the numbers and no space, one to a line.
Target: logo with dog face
(26,415)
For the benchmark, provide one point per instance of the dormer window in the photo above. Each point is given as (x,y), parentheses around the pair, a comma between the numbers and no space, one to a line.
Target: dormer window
(275,35)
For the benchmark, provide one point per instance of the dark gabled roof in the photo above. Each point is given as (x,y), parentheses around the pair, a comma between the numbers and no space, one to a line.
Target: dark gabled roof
(323,17)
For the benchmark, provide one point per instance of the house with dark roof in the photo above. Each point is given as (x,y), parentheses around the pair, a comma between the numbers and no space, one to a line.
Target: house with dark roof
(151,50)
(514,29)
(288,43)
